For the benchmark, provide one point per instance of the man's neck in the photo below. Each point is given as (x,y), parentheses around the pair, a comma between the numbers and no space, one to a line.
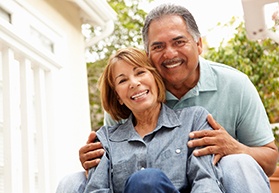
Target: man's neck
(180,89)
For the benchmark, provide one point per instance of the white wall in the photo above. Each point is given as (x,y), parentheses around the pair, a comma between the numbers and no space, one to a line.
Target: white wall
(69,120)
(71,124)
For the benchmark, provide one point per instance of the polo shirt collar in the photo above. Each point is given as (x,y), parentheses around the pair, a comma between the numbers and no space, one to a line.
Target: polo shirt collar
(208,79)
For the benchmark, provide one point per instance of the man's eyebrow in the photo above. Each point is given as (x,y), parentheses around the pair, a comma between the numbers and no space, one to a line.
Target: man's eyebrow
(179,37)
(174,39)
(156,43)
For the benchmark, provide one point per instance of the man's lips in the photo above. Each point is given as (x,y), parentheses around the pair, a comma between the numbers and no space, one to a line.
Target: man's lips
(139,95)
(173,63)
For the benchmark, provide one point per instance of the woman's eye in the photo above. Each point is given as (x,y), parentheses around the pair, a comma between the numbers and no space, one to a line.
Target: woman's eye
(121,81)
(141,72)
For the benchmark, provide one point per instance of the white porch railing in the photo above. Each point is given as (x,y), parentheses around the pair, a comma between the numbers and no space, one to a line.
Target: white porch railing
(25,82)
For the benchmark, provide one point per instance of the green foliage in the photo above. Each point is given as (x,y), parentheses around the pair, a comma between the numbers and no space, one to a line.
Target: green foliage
(259,60)
(93,72)
(127,33)
(276,135)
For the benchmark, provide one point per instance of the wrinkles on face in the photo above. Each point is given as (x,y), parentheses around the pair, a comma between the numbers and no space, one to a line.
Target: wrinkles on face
(174,53)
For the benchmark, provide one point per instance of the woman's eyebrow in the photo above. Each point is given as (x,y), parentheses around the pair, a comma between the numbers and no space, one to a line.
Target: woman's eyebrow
(118,76)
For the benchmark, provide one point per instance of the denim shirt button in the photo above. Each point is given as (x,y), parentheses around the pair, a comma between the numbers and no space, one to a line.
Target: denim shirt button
(178,151)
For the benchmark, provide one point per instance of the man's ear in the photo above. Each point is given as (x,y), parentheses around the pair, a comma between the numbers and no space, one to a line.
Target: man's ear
(199,44)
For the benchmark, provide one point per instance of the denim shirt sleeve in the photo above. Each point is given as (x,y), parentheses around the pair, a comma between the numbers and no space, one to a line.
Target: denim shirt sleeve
(98,178)
(201,172)
(202,175)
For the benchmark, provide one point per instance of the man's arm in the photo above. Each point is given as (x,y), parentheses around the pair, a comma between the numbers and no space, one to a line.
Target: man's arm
(221,143)
(91,153)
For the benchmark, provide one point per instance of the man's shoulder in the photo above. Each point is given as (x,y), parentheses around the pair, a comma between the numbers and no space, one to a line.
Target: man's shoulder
(221,69)
(219,66)
(191,110)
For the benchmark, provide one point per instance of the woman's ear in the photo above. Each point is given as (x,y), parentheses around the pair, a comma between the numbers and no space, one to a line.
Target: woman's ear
(119,100)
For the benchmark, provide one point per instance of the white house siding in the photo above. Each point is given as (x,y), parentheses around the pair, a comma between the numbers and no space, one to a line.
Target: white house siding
(44,117)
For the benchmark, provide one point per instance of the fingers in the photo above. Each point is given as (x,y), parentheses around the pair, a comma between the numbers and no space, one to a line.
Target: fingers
(216,158)
(91,137)
(214,124)
(211,141)
(90,154)
(90,164)
(91,159)
(210,150)
(90,147)
(202,133)
(205,151)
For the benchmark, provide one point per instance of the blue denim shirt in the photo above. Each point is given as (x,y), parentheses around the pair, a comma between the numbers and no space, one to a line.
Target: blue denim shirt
(164,148)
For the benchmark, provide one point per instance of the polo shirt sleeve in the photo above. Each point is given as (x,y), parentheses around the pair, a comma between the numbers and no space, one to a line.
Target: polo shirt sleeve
(253,127)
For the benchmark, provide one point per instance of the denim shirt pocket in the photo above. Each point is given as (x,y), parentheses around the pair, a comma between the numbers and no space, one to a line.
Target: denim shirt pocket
(173,161)
(121,171)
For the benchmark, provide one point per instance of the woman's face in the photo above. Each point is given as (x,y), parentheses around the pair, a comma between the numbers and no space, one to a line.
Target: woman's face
(135,86)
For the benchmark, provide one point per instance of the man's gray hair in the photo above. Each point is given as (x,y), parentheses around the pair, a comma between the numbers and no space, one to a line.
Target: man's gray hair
(170,9)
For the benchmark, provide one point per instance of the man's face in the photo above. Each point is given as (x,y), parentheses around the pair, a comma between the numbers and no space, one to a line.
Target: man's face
(173,51)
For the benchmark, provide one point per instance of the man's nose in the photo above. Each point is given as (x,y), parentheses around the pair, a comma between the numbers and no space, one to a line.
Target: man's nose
(170,52)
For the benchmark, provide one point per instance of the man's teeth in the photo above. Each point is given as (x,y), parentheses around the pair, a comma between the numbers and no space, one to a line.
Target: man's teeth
(139,95)
(173,65)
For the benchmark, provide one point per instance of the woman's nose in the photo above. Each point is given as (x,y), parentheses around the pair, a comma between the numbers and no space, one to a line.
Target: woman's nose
(134,83)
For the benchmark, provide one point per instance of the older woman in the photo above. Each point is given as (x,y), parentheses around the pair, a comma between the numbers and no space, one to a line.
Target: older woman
(147,153)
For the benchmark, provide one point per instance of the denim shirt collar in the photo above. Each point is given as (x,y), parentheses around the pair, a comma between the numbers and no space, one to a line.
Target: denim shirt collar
(126,131)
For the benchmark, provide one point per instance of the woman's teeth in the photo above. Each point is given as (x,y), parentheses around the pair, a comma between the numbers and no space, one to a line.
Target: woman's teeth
(139,95)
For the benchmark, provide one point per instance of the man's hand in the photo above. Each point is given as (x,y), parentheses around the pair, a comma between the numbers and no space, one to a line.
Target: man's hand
(89,154)
(220,143)
(217,141)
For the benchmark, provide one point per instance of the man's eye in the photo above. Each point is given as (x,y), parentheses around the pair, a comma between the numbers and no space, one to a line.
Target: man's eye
(180,42)
(157,48)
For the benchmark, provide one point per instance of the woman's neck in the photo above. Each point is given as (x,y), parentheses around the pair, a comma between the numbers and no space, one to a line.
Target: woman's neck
(147,121)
